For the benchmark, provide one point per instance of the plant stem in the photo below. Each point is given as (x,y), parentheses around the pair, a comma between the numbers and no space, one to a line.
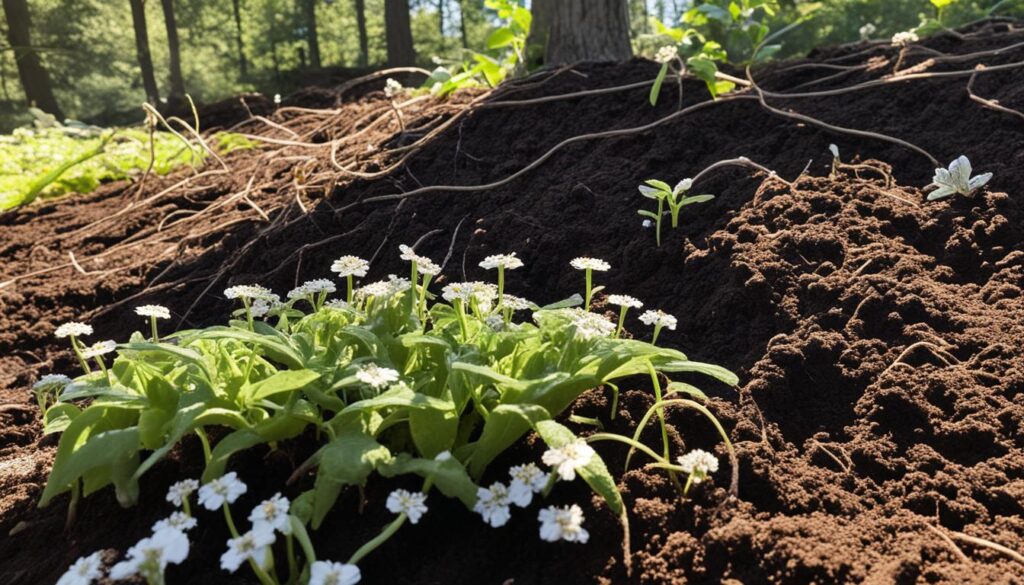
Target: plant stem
(657,222)
(622,320)
(152,324)
(661,412)
(248,314)
(423,300)
(77,348)
(501,285)
(205,441)
(387,533)
(460,310)
(590,278)
(349,296)
(657,330)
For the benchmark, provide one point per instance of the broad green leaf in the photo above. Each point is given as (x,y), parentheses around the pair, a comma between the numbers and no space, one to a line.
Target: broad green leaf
(716,372)
(281,382)
(594,473)
(505,425)
(448,474)
(501,37)
(347,460)
(100,451)
(58,417)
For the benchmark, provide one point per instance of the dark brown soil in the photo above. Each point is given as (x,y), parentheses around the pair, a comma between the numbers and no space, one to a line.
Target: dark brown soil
(878,337)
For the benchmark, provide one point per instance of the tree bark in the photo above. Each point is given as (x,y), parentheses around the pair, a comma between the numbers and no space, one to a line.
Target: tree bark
(177,93)
(243,65)
(34,78)
(440,20)
(587,30)
(142,51)
(309,15)
(462,24)
(540,27)
(398,33)
(364,40)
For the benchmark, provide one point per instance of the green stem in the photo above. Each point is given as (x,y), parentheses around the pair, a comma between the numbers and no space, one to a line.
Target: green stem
(388,531)
(248,314)
(590,278)
(423,300)
(350,289)
(152,324)
(231,521)
(674,211)
(293,568)
(207,452)
(460,310)
(660,411)
(501,286)
(657,222)
(657,330)
(77,348)
(622,321)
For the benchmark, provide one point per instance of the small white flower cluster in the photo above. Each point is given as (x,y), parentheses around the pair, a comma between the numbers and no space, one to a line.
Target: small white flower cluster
(584,263)
(568,458)
(867,30)
(52,382)
(412,504)
(99,348)
(699,464)
(424,265)
(504,261)
(350,266)
(151,555)
(902,39)
(384,288)
(483,293)
(658,318)
(312,287)
(223,490)
(514,303)
(268,518)
(83,571)
(562,524)
(179,492)
(376,376)
(250,292)
(625,301)
(392,88)
(590,325)
(73,329)
(153,311)
(494,503)
(666,53)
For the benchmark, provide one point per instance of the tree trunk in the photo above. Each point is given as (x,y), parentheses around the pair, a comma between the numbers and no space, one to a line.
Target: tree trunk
(142,51)
(309,15)
(587,30)
(398,33)
(364,41)
(243,65)
(177,93)
(34,78)
(440,20)
(539,29)
(462,24)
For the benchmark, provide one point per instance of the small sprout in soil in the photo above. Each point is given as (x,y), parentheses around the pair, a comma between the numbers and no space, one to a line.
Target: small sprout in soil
(589,265)
(956,180)
(562,524)
(658,319)
(412,504)
(83,571)
(675,198)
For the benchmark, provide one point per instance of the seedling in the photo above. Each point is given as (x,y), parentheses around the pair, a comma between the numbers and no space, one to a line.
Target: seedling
(956,180)
(675,198)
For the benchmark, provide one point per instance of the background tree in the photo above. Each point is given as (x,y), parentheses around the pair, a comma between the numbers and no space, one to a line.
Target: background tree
(142,53)
(364,41)
(309,21)
(177,93)
(398,33)
(243,65)
(34,77)
(584,30)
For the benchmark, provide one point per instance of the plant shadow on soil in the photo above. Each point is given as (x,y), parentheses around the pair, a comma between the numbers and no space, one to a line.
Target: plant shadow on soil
(849,445)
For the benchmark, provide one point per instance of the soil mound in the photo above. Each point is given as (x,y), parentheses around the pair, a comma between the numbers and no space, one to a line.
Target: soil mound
(877,336)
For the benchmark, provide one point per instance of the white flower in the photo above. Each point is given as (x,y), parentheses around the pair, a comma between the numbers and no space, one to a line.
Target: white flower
(312,287)
(337,304)
(410,255)
(73,329)
(428,267)
(260,308)
(251,545)
(483,292)
(152,555)
(625,301)
(374,289)
(562,524)
(156,311)
(397,284)
(493,504)
(506,261)
(666,53)
(328,573)
(179,521)
(83,571)
(392,88)
(590,264)
(373,375)
(902,39)
(514,303)
(867,30)
(248,291)
(590,325)
(568,458)
(272,514)
(412,504)
(180,491)
(956,180)
(350,266)
(526,480)
(834,150)
(277,99)
(658,319)
(99,348)
(52,382)
(699,464)
(225,489)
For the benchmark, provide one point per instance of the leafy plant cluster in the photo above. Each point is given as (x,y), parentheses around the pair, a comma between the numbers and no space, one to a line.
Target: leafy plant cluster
(392,380)
(51,159)
(505,55)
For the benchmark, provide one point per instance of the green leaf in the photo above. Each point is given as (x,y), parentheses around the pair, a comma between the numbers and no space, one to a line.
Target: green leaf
(58,417)
(347,460)
(501,37)
(716,372)
(286,381)
(103,450)
(656,88)
(649,214)
(505,425)
(594,473)
(448,474)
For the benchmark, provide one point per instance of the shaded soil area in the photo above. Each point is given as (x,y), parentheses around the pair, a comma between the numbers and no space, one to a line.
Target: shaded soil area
(877,336)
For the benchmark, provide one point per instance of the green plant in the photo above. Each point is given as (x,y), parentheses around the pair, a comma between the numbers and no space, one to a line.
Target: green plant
(383,383)
(676,198)
(956,179)
(737,25)
(686,51)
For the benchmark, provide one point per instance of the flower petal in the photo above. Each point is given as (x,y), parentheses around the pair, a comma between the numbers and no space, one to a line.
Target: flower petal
(979,181)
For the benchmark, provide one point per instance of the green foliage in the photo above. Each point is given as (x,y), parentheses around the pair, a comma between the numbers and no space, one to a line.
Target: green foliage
(676,198)
(736,25)
(385,391)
